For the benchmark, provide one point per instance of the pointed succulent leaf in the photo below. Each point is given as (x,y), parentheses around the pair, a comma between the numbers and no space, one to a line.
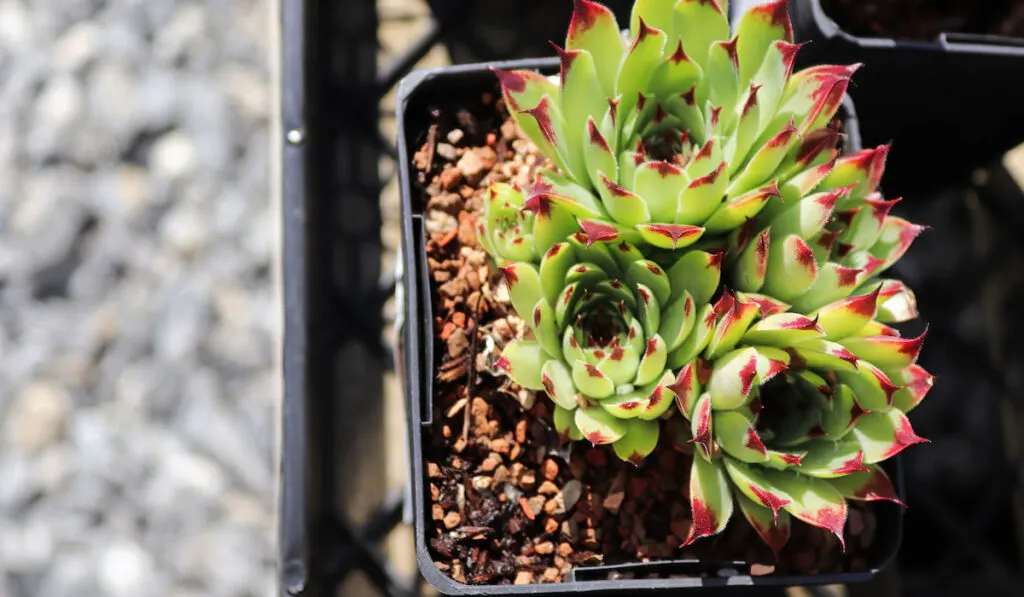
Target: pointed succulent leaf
(701,426)
(696,341)
(652,364)
(771,362)
(751,267)
(598,253)
(748,118)
(659,183)
(658,398)
(670,236)
(781,461)
(677,72)
(580,94)
(896,302)
(733,378)
(648,310)
(605,232)
(598,155)
(589,380)
(895,238)
(808,216)
(700,23)
(698,273)
(883,435)
(846,317)
(565,193)
(625,207)
(546,127)
(686,389)
(711,502)
(638,66)
(598,426)
(738,438)
(764,162)
(834,282)
(759,28)
(827,459)
(916,384)
(767,304)
(815,501)
(782,330)
(557,382)
(812,96)
(731,327)
(734,212)
(866,224)
(773,528)
(565,424)
(656,13)
(678,321)
(842,414)
(825,355)
(887,352)
(872,389)
(870,485)
(593,28)
(542,322)
(553,268)
(639,441)
(756,485)
(523,360)
(722,77)
(702,196)
(705,161)
(624,254)
(651,275)
(523,89)
(571,349)
(772,76)
(564,306)
(791,268)
(860,170)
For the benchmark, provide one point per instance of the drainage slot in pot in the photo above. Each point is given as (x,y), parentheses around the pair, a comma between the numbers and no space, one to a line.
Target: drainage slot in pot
(668,569)
(422,316)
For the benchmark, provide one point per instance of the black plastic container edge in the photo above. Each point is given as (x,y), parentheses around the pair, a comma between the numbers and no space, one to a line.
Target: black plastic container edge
(417,377)
(957,100)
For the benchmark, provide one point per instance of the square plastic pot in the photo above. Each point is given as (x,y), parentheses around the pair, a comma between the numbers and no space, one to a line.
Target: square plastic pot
(946,105)
(448,89)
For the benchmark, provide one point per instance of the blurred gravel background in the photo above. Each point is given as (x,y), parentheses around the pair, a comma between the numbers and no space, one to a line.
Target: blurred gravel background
(137,311)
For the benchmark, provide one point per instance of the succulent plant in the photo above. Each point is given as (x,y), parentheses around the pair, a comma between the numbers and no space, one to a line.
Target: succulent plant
(803,391)
(684,159)
(683,132)
(608,326)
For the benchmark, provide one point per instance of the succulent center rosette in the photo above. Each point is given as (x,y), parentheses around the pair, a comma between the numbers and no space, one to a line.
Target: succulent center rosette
(606,327)
(682,132)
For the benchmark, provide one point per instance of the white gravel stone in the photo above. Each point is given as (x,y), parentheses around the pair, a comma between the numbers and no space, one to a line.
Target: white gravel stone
(37,417)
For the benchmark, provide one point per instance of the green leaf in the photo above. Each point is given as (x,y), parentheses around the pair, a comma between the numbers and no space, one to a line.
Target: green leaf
(542,322)
(678,321)
(711,502)
(827,459)
(883,435)
(834,282)
(589,380)
(696,341)
(815,501)
(639,441)
(845,317)
(870,485)
(871,388)
(791,268)
(697,273)
(593,28)
(660,184)
(598,155)
(565,424)
(642,58)
(773,529)
(731,327)
(765,161)
(738,438)
(651,275)
(751,267)
(757,31)
(887,352)
(553,268)
(755,485)
(524,286)
(916,384)
(783,330)
(581,97)
(652,364)
(700,23)
(522,361)
(557,382)
(598,426)
(624,206)
(733,378)
(677,72)
(736,211)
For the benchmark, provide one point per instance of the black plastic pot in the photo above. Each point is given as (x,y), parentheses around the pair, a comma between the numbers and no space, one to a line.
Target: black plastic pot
(474,31)
(448,89)
(957,100)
